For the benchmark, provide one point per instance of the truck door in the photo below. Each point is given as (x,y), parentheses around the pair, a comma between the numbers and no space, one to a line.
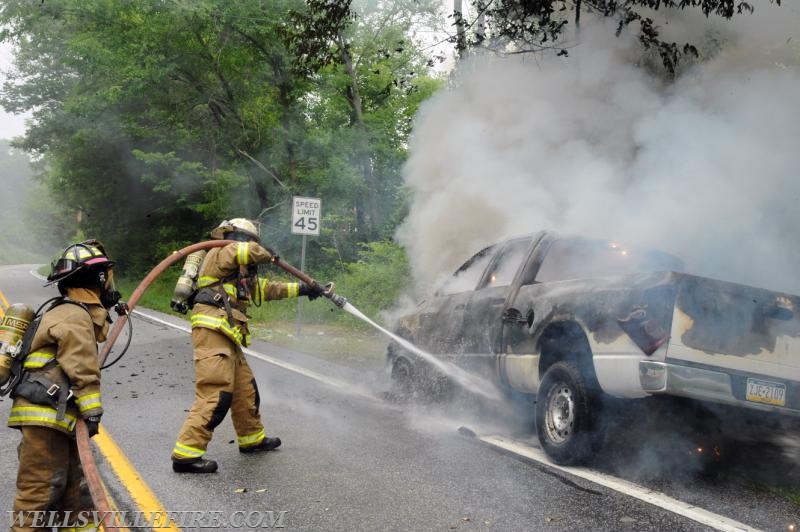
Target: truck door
(483,317)
(518,357)
(442,318)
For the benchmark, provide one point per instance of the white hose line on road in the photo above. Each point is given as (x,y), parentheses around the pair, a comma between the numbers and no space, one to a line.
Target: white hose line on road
(330,381)
(656,498)
(710,519)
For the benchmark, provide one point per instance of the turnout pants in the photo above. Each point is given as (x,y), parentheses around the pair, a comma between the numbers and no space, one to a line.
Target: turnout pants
(50,479)
(223,382)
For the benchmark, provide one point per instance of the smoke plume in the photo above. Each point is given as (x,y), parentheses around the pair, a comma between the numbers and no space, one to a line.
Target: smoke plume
(704,166)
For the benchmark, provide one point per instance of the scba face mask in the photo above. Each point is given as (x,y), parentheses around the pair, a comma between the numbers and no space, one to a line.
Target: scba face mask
(109,296)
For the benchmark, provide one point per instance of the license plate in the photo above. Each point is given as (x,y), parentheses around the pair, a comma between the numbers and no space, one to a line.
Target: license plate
(771,393)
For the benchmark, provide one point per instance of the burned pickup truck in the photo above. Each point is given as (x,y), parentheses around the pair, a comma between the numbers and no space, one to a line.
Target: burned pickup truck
(572,321)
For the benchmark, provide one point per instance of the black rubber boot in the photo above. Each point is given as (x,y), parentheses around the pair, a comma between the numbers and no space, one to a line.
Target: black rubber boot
(267,444)
(198,466)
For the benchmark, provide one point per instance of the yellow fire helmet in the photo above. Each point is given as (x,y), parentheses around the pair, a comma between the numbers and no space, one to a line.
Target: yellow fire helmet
(237,229)
(88,254)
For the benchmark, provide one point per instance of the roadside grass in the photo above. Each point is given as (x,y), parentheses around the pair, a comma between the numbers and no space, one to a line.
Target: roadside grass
(341,344)
(325,331)
(793,496)
(790,494)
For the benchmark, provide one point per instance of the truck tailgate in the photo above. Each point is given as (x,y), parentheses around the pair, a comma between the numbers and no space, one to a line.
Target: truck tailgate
(749,335)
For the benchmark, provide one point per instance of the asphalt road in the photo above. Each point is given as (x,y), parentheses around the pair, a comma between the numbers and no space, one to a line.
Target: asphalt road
(351,460)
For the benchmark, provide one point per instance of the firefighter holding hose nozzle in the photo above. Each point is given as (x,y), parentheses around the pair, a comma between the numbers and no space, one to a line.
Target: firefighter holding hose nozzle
(57,381)
(227,284)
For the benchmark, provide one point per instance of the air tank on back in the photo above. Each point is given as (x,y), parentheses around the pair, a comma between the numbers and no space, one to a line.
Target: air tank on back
(187,282)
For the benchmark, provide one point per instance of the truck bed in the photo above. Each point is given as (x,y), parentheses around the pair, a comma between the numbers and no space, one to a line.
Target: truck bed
(732,344)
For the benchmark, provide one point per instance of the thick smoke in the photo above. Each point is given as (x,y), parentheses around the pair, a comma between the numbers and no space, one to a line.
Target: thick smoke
(704,167)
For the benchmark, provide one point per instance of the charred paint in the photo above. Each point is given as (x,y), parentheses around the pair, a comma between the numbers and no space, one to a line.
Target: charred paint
(598,304)
(733,319)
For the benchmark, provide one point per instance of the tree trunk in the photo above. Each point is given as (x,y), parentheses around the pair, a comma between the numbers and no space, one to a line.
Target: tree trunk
(369,211)
(458,20)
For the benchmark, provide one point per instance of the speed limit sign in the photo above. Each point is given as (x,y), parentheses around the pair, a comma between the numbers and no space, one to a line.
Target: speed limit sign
(306,214)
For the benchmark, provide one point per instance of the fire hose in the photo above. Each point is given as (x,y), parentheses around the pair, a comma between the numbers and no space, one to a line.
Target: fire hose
(82,432)
(336,299)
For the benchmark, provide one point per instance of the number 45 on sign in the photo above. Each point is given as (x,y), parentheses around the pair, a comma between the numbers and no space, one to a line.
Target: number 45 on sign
(305,215)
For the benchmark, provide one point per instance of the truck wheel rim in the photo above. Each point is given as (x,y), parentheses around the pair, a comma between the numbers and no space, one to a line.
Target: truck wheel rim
(560,414)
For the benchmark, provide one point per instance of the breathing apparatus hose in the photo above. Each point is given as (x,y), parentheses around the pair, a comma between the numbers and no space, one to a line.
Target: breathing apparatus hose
(81,431)
(127,344)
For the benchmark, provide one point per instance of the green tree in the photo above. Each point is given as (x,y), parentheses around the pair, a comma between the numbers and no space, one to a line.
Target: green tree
(157,119)
(359,111)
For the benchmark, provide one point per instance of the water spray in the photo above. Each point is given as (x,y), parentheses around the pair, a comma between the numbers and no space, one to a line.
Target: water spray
(467,380)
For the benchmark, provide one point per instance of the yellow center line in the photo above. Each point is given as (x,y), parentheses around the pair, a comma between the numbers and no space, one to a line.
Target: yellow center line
(142,496)
(3,304)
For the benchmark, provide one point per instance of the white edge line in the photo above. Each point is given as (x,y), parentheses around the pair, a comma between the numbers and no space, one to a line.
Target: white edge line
(653,497)
(330,381)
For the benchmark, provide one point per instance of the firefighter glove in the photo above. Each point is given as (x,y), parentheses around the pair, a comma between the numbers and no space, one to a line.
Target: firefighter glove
(311,291)
(122,309)
(92,425)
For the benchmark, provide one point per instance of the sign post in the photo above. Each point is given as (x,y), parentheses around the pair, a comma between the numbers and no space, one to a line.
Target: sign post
(306,215)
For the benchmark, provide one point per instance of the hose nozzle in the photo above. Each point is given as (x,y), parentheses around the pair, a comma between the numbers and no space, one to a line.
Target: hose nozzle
(339,301)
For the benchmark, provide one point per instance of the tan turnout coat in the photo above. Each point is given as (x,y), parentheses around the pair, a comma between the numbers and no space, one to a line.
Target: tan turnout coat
(64,350)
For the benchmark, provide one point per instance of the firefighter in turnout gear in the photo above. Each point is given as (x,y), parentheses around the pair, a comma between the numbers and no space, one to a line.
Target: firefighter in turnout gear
(228,282)
(61,381)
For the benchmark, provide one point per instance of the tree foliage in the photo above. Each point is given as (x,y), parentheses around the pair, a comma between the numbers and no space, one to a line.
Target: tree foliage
(157,119)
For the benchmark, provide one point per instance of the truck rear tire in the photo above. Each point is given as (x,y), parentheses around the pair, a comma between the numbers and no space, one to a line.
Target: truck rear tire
(566,422)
